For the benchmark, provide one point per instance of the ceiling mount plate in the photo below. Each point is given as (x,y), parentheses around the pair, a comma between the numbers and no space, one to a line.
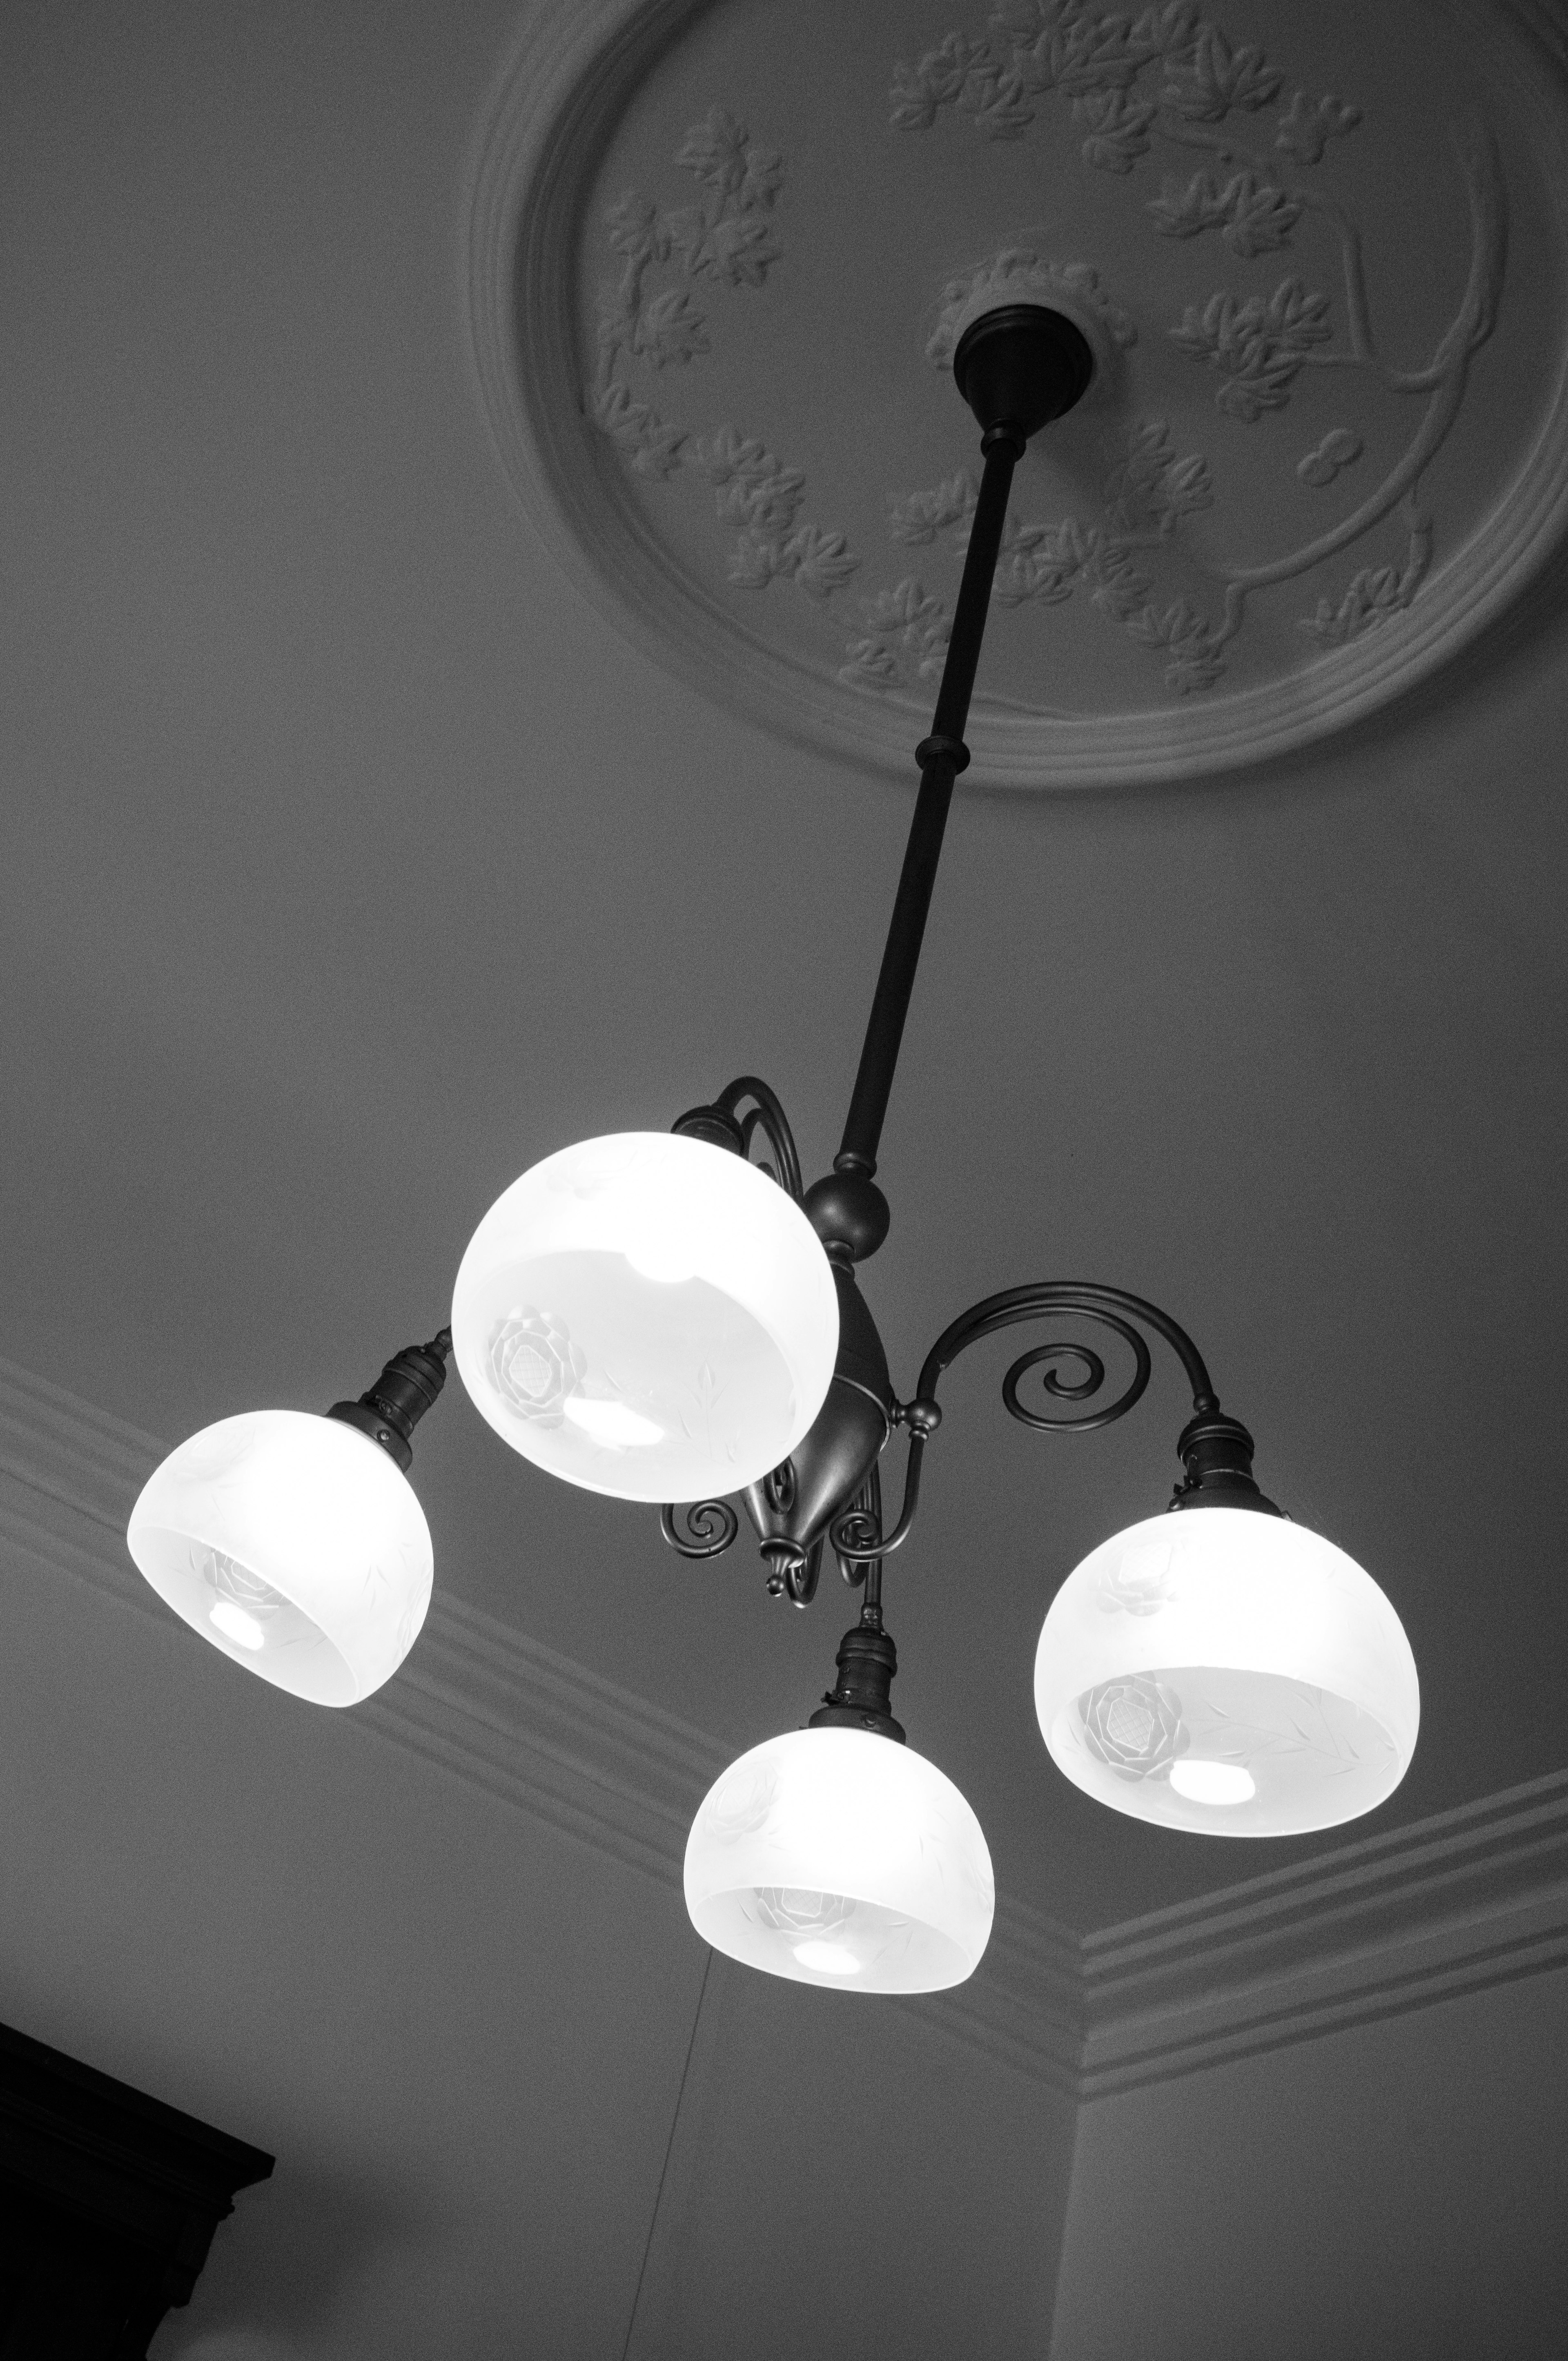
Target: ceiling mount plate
(1023,364)
(1318,259)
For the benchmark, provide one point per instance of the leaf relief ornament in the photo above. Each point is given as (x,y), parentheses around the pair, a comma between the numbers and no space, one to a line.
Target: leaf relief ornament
(729,238)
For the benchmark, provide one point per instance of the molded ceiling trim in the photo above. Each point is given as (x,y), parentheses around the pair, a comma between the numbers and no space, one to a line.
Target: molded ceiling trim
(1461,1900)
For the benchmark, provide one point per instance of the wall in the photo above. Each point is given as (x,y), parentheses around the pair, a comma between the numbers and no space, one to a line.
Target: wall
(1396,2189)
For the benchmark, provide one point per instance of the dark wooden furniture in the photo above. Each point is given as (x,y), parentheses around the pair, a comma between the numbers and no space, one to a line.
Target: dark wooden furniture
(108,2201)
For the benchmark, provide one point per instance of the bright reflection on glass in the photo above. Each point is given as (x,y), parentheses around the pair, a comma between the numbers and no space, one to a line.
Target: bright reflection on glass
(1214,1782)
(833,1854)
(1211,1647)
(611,1423)
(295,1545)
(647,1316)
(828,1958)
(235,1624)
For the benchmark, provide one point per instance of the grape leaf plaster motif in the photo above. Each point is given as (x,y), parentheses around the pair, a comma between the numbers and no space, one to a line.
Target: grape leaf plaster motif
(1172,76)
(729,238)
(1167,76)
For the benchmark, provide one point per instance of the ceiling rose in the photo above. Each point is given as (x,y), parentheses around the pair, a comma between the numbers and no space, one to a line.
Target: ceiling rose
(719,260)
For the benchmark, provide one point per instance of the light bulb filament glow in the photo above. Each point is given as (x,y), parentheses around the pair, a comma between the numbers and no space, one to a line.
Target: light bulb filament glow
(610,1421)
(236,1625)
(828,1958)
(1214,1782)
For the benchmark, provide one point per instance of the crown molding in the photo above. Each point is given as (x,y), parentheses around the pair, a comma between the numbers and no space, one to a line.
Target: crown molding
(513,1719)
(1464,1899)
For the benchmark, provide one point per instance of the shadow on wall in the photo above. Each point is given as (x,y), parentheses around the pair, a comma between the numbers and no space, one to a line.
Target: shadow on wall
(293,2260)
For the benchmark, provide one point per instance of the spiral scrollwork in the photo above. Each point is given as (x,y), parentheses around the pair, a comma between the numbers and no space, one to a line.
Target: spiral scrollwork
(1045,1358)
(856,1535)
(861,1526)
(710,1527)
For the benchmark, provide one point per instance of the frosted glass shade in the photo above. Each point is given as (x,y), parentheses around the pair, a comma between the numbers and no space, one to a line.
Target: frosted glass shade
(835,1857)
(1225,1671)
(294,1544)
(647,1316)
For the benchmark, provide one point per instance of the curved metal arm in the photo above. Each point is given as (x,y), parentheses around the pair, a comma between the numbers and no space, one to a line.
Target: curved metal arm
(856,1535)
(766,1116)
(1089,1301)
(853,1535)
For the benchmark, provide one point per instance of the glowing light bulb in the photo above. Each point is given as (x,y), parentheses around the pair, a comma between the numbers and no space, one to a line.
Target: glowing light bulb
(236,1625)
(1214,1782)
(611,1423)
(828,1958)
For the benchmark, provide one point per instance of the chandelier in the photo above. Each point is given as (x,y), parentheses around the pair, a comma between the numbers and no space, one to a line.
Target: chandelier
(658,1317)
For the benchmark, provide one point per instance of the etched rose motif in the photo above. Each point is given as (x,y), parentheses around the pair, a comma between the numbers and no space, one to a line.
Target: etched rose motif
(535,1365)
(741,1806)
(235,1582)
(1133,1726)
(797,1910)
(1138,1583)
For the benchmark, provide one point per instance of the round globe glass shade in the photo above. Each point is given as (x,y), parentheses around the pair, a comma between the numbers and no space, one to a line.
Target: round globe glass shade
(294,1544)
(1228,1672)
(835,1857)
(647,1316)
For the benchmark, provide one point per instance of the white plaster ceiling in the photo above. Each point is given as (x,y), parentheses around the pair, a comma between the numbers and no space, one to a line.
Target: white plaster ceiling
(355,858)
(720,261)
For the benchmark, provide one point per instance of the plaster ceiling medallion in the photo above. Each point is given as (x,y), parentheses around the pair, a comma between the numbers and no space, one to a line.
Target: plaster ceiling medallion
(720,260)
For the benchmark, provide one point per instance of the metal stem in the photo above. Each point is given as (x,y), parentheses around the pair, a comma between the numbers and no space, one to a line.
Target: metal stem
(941,757)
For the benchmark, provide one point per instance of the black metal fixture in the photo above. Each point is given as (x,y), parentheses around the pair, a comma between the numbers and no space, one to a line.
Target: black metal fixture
(1019,367)
(1180,1666)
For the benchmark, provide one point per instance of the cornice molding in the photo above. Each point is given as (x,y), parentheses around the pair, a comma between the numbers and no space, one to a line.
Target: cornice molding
(1464,1899)
(513,1719)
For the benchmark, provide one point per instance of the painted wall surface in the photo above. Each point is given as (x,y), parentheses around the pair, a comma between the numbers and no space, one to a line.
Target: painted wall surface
(1397,2190)
(845,2183)
(464,2036)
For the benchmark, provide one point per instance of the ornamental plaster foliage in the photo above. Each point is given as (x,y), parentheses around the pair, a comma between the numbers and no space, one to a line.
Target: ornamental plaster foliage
(919,517)
(1257,347)
(1019,275)
(1375,594)
(1172,77)
(906,637)
(1231,220)
(728,238)
(1252,216)
(1169,72)
(1147,494)
(1339,449)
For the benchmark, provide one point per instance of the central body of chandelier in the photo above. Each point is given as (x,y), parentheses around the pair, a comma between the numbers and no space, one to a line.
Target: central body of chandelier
(656,1316)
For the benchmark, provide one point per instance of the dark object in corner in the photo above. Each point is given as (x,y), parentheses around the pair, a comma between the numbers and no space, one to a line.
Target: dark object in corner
(108,2201)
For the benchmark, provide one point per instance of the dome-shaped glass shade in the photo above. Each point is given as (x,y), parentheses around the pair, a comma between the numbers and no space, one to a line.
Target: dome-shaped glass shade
(294,1544)
(647,1316)
(835,1857)
(1225,1671)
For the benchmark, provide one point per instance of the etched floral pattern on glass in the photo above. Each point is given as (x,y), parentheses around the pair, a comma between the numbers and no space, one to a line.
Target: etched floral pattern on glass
(1133,1726)
(534,1366)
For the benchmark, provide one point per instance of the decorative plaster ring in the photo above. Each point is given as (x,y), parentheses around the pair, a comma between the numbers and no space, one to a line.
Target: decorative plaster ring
(1020,275)
(575,67)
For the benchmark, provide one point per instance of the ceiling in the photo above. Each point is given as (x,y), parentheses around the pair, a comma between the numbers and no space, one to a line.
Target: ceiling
(357,859)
